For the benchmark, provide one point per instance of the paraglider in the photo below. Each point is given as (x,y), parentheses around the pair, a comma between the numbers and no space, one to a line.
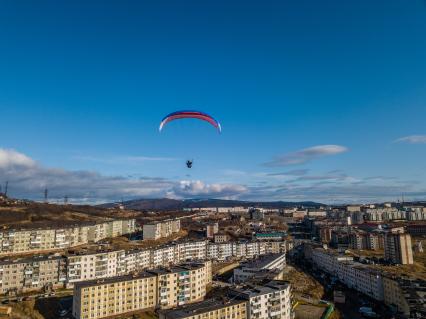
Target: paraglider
(190,115)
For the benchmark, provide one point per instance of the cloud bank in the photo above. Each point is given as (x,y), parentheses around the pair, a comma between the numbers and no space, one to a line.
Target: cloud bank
(306,155)
(412,139)
(28,179)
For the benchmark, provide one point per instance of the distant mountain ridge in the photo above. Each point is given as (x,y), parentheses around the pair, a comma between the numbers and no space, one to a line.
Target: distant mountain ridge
(175,204)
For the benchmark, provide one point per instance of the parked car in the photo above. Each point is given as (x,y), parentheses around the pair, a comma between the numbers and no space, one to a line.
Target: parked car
(63,312)
(370,314)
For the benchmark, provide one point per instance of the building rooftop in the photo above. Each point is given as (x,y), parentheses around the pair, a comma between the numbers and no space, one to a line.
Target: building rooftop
(177,269)
(201,307)
(249,291)
(112,280)
(30,259)
(261,262)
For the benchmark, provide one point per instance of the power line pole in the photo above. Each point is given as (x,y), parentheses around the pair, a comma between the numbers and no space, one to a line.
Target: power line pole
(5,188)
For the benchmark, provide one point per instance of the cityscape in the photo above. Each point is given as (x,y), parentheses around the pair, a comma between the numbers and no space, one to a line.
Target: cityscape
(213,160)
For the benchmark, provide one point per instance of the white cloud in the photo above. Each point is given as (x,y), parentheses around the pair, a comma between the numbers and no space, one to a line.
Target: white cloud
(334,193)
(9,158)
(307,155)
(296,172)
(412,139)
(200,189)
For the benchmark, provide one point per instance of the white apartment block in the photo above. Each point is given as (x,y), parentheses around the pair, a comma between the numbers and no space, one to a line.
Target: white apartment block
(384,214)
(270,301)
(191,250)
(31,240)
(353,274)
(92,266)
(328,260)
(220,252)
(361,278)
(137,260)
(163,257)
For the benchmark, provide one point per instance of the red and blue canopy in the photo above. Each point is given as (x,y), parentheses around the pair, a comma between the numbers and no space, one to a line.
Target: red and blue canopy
(190,115)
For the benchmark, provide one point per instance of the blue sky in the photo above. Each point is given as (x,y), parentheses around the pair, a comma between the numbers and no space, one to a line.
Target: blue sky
(331,85)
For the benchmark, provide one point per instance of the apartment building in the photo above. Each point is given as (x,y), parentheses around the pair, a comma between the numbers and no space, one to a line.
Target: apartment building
(90,265)
(248,270)
(15,241)
(104,264)
(361,278)
(114,296)
(269,301)
(181,285)
(212,309)
(357,240)
(32,274)
(398,248)
(212,229)
(353,274)
(318,213)
(220,252)
(361,240)
(417,229)
(161,229)
(384,214)
(163,256)
(191,250)
(221,238)
(375,241)
(405,296)
(137,260)
(328,260)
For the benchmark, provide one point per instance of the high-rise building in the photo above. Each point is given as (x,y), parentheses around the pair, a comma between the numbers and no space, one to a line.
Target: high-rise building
(398,247)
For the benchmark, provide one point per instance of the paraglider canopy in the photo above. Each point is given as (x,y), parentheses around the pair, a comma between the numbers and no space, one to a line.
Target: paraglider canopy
(190,115)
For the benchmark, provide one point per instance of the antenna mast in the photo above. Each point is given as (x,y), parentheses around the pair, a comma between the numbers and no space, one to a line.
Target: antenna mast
(45,195)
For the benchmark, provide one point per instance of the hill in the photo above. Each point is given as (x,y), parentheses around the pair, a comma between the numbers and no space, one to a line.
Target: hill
(174,204)
(30,214)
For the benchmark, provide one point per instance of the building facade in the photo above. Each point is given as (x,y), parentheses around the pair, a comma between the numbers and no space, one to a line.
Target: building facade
(269,301)
(398,248)
(161,229)
(114,296)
